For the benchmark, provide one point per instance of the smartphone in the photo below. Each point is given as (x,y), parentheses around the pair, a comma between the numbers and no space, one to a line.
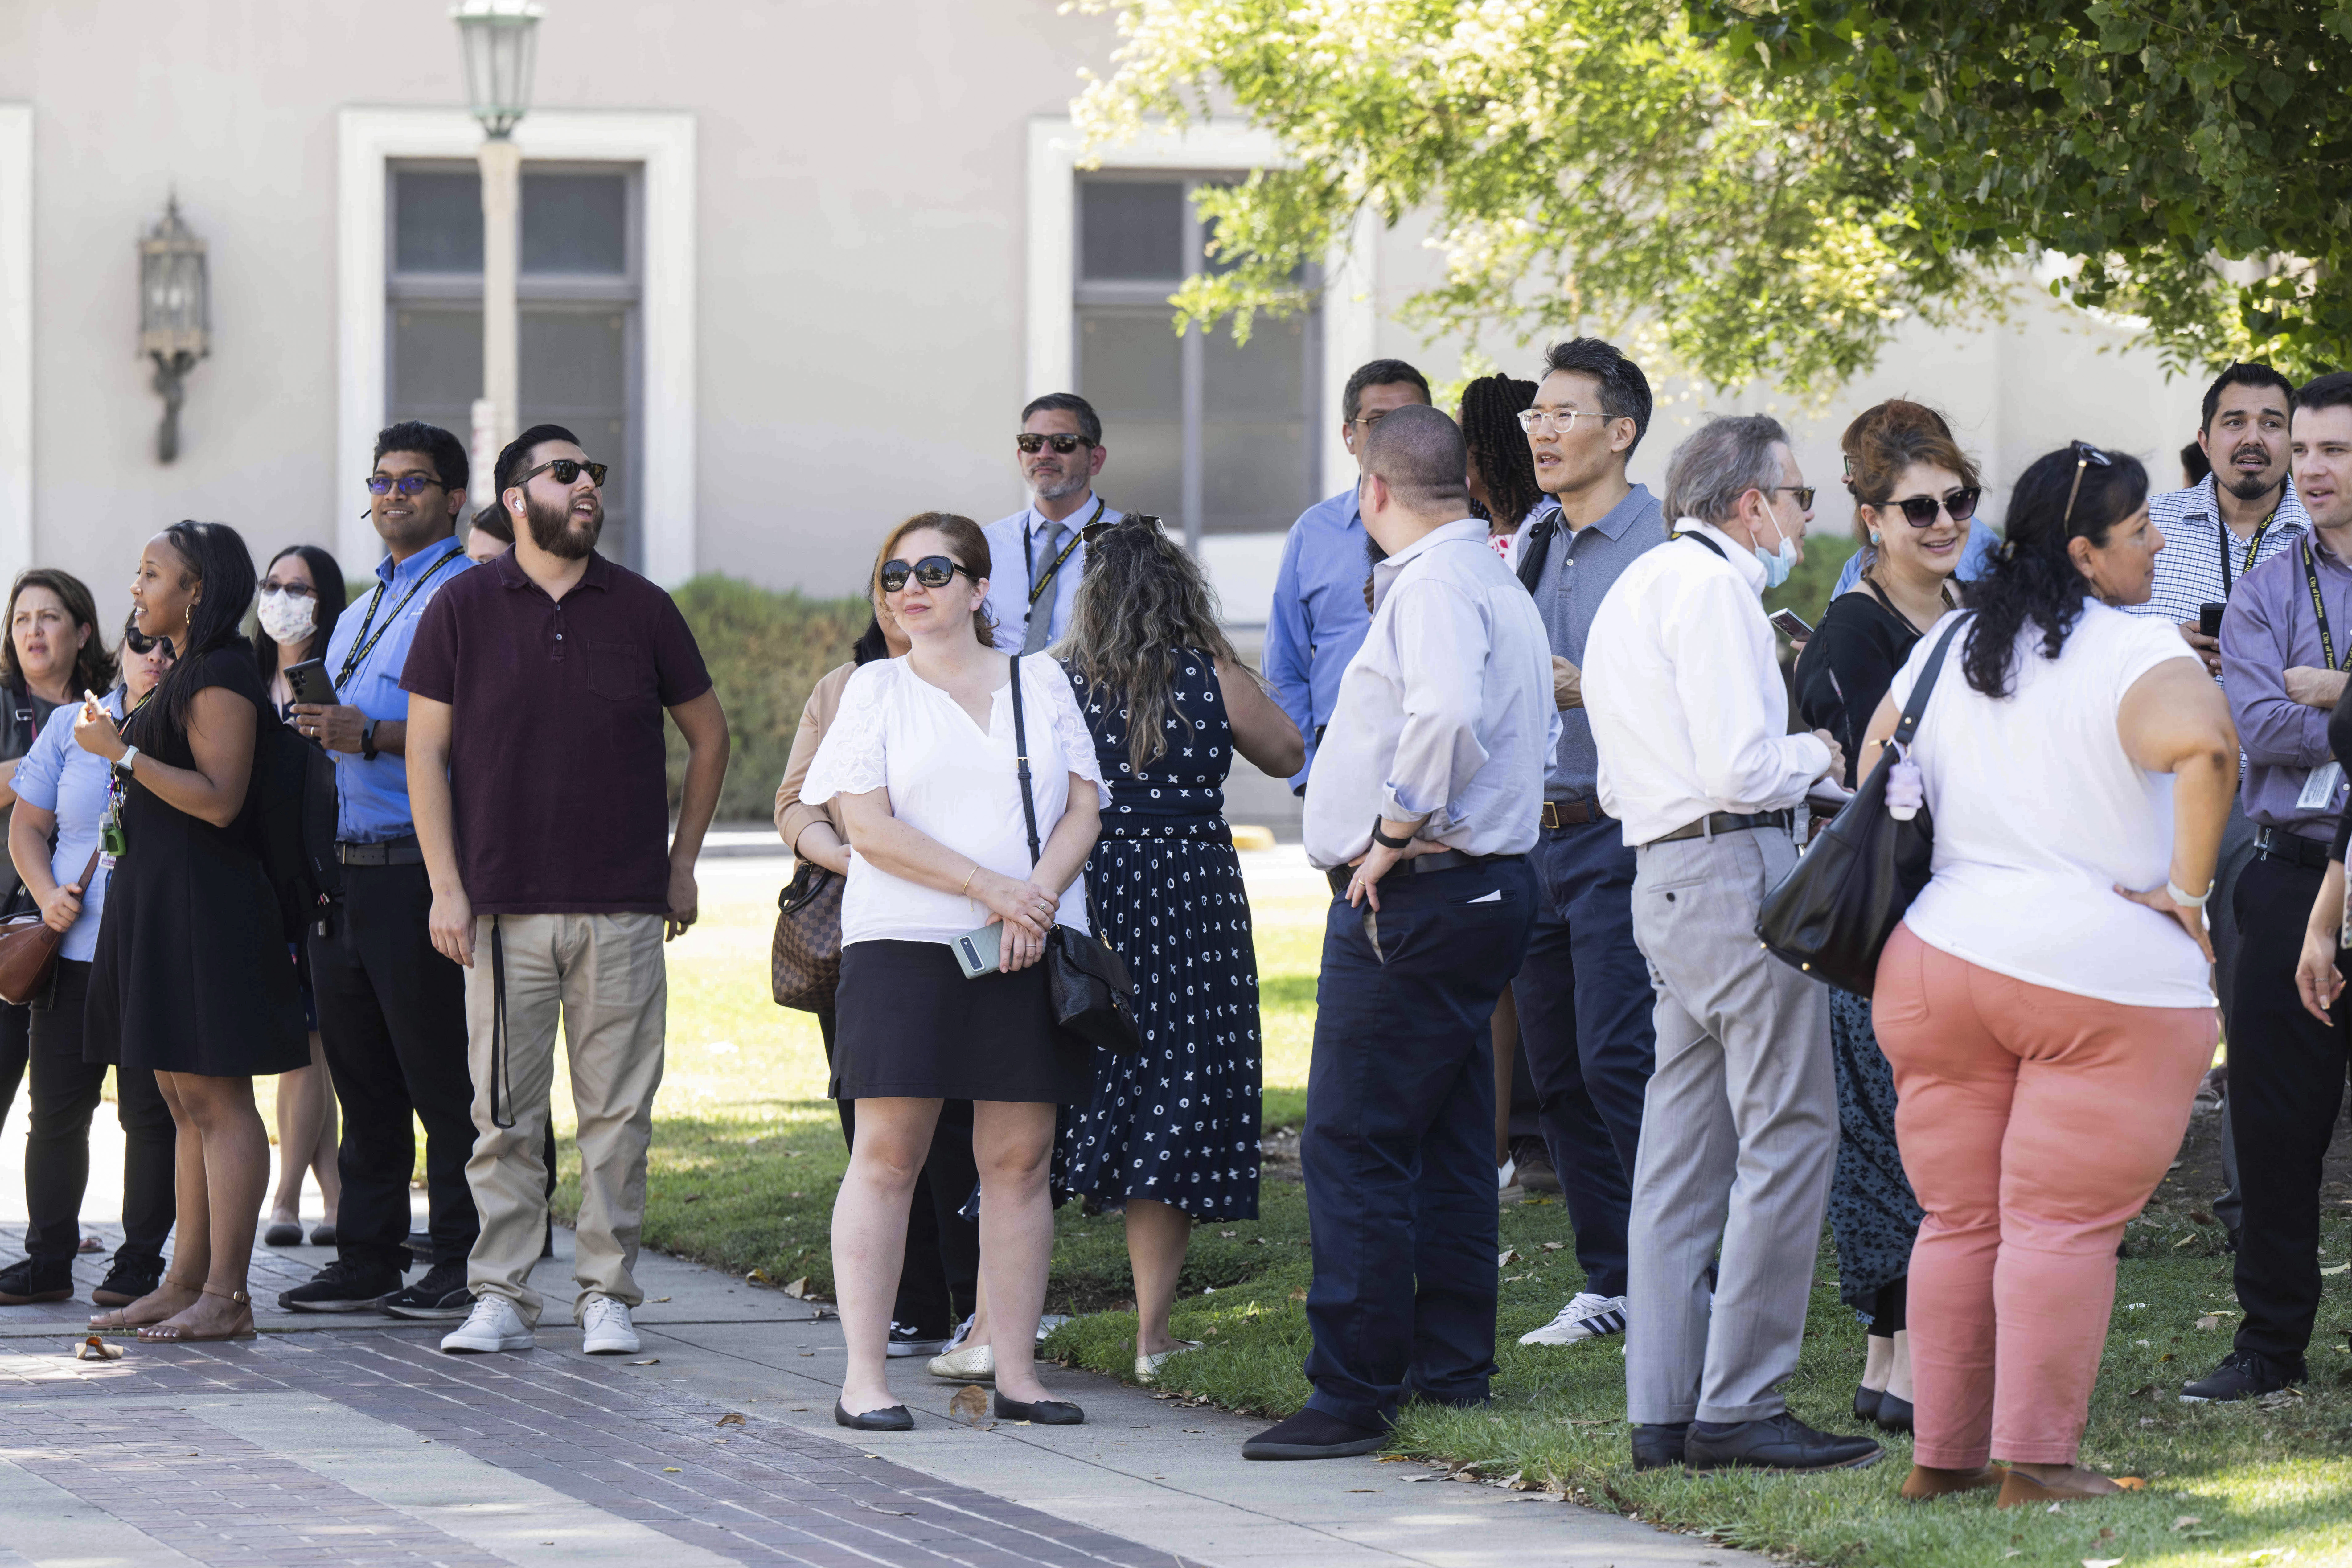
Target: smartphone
(309,683)
(979,952)
(2209,620)
(1791,623)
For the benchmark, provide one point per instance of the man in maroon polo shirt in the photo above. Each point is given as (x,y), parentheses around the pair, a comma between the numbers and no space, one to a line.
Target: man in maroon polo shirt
(537,686)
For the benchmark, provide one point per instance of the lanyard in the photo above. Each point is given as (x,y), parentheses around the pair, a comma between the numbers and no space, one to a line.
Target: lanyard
(1078,537)
(2319,611)
(2222,537)
(362,645)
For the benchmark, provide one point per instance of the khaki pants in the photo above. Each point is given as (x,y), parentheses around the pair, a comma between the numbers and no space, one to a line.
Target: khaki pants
(604,975)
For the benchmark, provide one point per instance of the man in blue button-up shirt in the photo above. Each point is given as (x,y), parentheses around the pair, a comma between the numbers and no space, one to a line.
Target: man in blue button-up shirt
(1319,614)
(391,1011)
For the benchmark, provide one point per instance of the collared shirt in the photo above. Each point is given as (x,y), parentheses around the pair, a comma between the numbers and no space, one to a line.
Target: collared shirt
(2270,629)
(372,797)
(1013,545)
(1578,570)
(1318,617)
(1686,696)
(1445,710)
(62,779)
(2188,569)
(1982,542)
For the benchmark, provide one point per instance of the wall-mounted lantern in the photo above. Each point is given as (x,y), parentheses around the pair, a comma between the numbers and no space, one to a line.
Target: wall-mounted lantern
(174,317)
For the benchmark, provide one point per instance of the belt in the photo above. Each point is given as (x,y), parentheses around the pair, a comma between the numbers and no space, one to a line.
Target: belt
(1573,812)
(1716,822)
(398,852)
(2311,854)
(1420,865)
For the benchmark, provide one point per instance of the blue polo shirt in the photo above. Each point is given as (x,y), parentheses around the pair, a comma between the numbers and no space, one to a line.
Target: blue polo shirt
(1319,617)
(372,797)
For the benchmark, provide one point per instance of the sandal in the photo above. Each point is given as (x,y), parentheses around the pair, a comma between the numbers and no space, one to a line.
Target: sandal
(118,1319)
(174,1334)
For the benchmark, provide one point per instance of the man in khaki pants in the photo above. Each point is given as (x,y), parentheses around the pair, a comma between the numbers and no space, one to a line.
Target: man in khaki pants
(535,772)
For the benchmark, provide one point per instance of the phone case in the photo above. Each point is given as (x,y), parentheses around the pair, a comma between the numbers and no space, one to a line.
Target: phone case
(979,952)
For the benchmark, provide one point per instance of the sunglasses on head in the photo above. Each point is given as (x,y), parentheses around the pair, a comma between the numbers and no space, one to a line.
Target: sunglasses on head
(931,571)
(566,471)
(2084,456)
(1920,511)
(1064,445)
(1094,531)
(407,484)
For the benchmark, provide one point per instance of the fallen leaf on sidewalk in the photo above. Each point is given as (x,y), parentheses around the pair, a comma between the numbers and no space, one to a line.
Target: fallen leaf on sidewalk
(798,1289)
(670,1470)
(732,1418)
(970,1403)
(97,1349)
(659,1299)
(649,1361)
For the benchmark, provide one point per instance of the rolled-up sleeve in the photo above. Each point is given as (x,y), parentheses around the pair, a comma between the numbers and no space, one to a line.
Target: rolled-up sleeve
(2275,730)
(1441,640)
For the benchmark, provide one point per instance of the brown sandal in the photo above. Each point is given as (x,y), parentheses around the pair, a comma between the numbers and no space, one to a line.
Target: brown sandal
(115,1320)
(165,1331)
(1926,1482)
(2018,1490)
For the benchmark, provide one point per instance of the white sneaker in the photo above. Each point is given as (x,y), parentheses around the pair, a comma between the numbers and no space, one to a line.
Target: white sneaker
(605,1329)
(1146,1366)
(1587,1317)
(493,1325)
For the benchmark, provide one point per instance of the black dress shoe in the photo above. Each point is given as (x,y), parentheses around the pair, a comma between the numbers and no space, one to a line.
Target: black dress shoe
(1660,1447)
(1866,1403)
(889,1418)
(1894,1413)
(1041,1411)
(2242,1375)
(1313,1434)
(1775,1443)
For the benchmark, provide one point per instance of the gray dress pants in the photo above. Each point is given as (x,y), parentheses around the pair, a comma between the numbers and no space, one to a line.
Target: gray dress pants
(1738,1140)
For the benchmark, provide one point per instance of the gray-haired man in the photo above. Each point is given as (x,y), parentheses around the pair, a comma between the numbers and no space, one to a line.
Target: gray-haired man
(1740,1122)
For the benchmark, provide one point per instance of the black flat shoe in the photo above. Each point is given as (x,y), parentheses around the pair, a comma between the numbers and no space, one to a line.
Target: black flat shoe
(283,1234)
(1866,1403)
(889,1418)
(1313,1434)
(1660,1447)
(1041,1411)
(1893,1415)
(1776,1443)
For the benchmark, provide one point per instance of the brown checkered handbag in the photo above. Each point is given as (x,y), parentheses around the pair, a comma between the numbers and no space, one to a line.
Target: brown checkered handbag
(805,960)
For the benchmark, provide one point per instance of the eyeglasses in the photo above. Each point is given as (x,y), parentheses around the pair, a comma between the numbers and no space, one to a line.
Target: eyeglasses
(293,590)
(1028,441)
(566,470)
(1541,421)
(1920,511)
(407,484)
(931,571)
(1804,494)
(142,645)
(1094,531)
(2084,456)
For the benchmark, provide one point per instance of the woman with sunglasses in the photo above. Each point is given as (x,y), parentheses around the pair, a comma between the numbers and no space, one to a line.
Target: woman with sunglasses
(943,918)
(1913,493)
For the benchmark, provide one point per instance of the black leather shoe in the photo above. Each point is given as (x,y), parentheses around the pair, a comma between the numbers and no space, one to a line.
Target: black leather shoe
(1041,1411)
(1893,1415)
(889,1418)
(1866,1403)
(2242,1375)
(1660,1447)
(1776,1443)
(1313,1434)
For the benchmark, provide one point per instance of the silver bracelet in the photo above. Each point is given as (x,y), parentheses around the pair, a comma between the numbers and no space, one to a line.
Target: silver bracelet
(2172,891)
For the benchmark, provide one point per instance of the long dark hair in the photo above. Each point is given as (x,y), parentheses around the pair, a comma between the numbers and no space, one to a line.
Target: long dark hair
(1142,598)
(326,577)
(212,555)
(94,668)
(2030,578)
(1491,406)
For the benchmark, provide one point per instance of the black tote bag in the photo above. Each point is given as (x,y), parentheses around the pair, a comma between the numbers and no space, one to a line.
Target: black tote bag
(1831,914)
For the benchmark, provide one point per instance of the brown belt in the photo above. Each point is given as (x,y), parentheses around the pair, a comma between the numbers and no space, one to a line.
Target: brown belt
(1573,812)
(1730,822)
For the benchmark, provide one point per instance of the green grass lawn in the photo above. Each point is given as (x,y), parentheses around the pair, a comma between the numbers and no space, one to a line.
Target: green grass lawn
(747,1154)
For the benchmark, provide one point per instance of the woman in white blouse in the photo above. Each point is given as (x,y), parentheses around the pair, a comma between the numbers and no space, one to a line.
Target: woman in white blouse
(921,759)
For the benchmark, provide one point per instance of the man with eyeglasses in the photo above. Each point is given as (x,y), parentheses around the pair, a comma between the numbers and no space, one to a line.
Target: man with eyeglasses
(1060,450)
(1321,606)
(391,1012)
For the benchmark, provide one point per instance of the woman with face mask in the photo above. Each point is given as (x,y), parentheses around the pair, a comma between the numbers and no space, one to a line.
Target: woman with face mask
(301,598)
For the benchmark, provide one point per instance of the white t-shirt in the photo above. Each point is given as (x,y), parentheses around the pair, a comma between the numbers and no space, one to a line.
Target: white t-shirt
(953,782)
(2039,815)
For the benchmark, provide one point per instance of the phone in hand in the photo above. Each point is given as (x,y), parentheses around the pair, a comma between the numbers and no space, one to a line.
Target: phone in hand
(309,683)
(1790,624)
(979,952)
(2209,620)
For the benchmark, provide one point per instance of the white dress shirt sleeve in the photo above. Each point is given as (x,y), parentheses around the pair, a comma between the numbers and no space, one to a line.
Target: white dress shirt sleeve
(1442,643)
(1739,740)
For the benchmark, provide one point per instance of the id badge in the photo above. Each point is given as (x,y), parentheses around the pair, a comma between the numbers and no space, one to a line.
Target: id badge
(2320,788)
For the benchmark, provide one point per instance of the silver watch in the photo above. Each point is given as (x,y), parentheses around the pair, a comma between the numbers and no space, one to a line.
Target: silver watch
(125,762)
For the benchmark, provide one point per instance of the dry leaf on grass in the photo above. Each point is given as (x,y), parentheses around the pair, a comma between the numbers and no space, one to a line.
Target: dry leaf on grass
(1507,1258)
(2187,1521)
(732,1418)
(1553,1245)
(970,1403)
(2131,1483)
(2208,1322)
(97,1349)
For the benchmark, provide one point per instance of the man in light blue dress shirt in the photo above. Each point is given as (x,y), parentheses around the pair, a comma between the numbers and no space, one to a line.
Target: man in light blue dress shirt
(1036,555)
(391,1011)
(1318,617)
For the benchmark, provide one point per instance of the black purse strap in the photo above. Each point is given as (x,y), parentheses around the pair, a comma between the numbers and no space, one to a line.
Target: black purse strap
(1021,757)
(1909,725)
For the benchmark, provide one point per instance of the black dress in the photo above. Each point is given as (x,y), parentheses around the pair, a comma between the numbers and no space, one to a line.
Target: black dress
(191,973)
(1178,1122)
(1841,677)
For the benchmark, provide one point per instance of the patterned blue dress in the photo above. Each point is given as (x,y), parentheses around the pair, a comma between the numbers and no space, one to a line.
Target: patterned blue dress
(1177,1121)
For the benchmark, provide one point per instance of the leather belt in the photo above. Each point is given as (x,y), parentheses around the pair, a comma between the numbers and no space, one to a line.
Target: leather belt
(1730,822)
(399,852)
(2311,854)
(1419,866)
(1573,812)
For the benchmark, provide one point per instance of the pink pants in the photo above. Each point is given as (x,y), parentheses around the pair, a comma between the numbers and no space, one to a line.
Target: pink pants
(2034,1123)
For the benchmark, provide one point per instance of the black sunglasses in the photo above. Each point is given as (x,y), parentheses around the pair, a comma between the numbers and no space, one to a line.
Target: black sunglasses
(931,571)
(1066,445)
(1094,531)
(2084,456)
(566,470)
(407,484)
(1920,511)
(140,643)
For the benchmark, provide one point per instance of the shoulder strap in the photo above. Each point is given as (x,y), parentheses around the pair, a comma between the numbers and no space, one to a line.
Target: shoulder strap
(1909,726)
(1534,548)
(1703,539)
(1021,756)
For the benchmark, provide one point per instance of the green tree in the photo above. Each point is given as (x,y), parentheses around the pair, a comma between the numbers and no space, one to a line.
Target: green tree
(1583,165)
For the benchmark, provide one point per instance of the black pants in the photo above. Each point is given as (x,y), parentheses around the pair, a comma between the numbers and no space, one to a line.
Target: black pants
(15,1034)
(391,1018)
(66,1093)
(939,1277)
(2286,1085)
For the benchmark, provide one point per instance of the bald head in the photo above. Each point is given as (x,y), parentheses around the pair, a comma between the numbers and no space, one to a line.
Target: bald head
(1415,476)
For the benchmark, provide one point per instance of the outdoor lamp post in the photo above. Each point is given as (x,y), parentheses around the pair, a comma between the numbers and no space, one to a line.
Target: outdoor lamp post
(174,316)
(499,39)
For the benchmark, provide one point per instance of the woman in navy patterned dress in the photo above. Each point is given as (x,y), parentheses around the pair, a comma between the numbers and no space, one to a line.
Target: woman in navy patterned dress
(1172,1132)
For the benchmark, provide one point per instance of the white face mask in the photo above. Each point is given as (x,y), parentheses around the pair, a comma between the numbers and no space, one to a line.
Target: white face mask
(288,617)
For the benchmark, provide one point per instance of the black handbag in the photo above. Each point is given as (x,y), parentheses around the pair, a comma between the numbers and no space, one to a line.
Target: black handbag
(1093,994)
(1831,914)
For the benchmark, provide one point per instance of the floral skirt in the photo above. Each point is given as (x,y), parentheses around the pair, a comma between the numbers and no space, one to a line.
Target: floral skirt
(1873,1214)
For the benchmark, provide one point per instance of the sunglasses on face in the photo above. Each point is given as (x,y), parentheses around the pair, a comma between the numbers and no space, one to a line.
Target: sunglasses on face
(1066,445)
(1094,531)
(293,590)
(142,645)
(1804,494)
(407,484)
(1919,512)
(931,571)
(566,470)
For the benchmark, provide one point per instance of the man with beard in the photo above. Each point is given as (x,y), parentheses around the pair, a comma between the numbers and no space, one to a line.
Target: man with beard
(552,881)
(1060,451)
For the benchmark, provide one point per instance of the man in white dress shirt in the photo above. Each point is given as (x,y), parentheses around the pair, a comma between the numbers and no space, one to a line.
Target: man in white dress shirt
(1420,810)
(1038,552)
(1740,1122)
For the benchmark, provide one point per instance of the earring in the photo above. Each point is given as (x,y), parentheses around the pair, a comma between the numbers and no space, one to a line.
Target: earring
(1873,536)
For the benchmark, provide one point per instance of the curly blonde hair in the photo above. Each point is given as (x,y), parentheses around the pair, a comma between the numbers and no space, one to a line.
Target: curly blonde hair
(1141,599)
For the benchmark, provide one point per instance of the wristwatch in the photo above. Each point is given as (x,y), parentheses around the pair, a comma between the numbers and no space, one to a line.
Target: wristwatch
(1385,842)
(125,762)
(367,742)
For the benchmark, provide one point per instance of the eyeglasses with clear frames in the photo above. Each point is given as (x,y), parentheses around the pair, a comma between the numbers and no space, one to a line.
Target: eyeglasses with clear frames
(1543,421)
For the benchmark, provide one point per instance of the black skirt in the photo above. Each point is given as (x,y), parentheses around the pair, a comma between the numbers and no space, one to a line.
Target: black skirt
(909,1023)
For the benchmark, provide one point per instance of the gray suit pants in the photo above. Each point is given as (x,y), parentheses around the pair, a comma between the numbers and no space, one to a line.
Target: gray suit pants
(1738,1140)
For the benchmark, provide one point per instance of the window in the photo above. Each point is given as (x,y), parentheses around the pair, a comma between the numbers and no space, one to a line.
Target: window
(1215,436)
(578,305)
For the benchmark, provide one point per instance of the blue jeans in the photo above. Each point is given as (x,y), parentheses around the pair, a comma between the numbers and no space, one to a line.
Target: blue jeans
(1585,1005)
(1399,1148)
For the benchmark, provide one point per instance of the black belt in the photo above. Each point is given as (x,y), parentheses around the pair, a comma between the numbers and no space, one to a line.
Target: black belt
(1573,812)
(1420,865)
(1716,822)
(2311,854)
(397,852)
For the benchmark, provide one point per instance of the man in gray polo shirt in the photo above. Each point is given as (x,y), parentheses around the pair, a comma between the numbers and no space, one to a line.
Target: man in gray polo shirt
(1584,993)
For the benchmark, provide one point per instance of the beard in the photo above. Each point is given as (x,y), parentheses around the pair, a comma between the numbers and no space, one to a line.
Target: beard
(1055,490)
(2246,486)
(551,528)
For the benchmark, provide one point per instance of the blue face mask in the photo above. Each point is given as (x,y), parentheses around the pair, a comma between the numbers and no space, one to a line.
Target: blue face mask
(1778,564)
